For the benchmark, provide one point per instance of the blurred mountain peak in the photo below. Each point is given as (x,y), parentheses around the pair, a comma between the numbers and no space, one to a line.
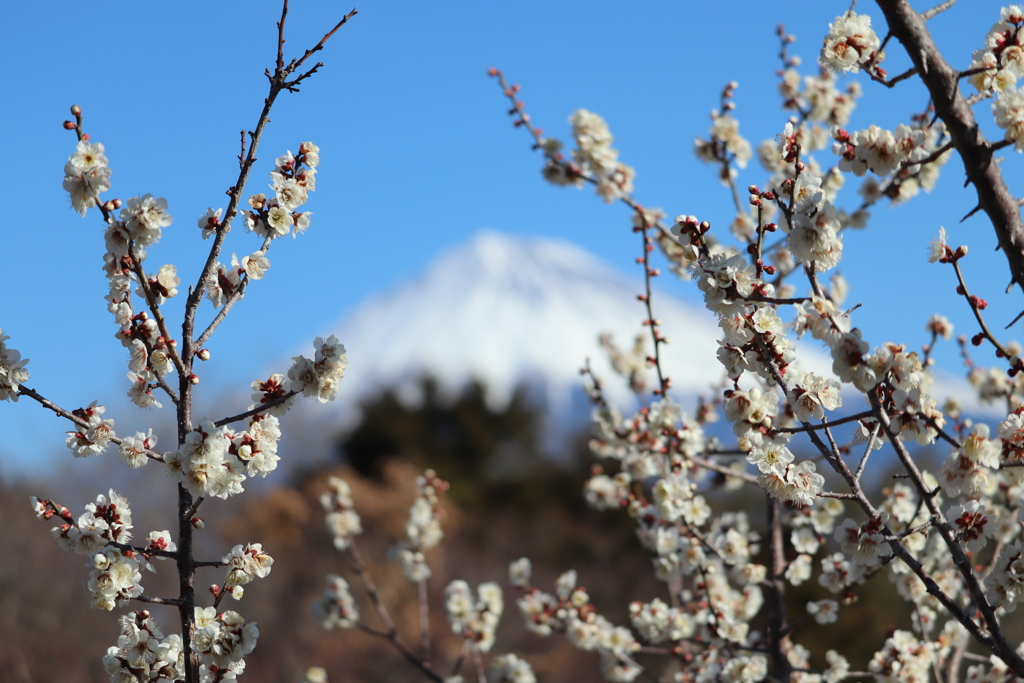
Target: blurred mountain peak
(508,310)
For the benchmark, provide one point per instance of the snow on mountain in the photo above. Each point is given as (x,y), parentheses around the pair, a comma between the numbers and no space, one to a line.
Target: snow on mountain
(505,310)
(508,310)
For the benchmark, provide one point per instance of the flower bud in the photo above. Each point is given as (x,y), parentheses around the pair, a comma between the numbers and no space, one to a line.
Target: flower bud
(116,203)
(70,125)
(198,523)
(76,110)
(215,590)
(204,354)
(193,379)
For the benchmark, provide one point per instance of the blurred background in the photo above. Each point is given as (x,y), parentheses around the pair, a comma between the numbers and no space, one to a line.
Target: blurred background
(467,291)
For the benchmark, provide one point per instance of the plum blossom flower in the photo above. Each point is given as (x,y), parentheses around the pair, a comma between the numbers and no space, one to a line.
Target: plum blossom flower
(247,563)
(342,520)
(93,437)
(209,222)
(475,618)
(319,378)
(203,464)
(509,668)
(1009,114)
(255,265)
(12,370)
(336,608)
(86,175)
(850,43)
(115,579)
(519,572)
(144,217)
(595,156)
(223,639)
(813,395)
(133,449)
(141,392)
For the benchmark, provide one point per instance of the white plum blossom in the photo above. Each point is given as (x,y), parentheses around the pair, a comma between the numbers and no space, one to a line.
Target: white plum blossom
(223,639)
(510,669)
(203,464)
(595,157)
(476,618)
(247,563)
(850,44)
(255,265)
(342,520)
(144,217)
(114,579)
(133,449)
(813,395)
(86,175)
(519,572)
(12,370)
(94,436)
(1009,114)
(337,608)
(319,378)
(209,222)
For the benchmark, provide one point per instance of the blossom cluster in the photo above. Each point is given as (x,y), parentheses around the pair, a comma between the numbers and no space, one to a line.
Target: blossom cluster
(215,461)
(342,520)
(114,580)
(851,44)
(93,434)
(569,611)
(336,608)
(998,65)
(107,520)
(318,378)
(424,526)
(143,653)
(475,618)
(593,159)
(12,370)
(86,175)
(223,639)
(724,144)
(510,669)
(294,177)
(246,563)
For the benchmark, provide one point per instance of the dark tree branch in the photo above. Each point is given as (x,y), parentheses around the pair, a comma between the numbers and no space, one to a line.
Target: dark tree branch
(976,152)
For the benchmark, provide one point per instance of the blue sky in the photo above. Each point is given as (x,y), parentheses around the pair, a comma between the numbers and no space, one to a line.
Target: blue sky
(417,155)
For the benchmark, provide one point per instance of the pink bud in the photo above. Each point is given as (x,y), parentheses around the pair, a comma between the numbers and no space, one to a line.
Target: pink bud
(76,110)
(204,354)
(70,125)
(193,379)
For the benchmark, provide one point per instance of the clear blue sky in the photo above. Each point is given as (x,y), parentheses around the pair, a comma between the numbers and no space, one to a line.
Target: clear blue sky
(417,154)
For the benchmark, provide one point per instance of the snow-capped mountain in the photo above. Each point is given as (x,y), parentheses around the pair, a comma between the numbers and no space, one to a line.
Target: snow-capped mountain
(512,310)
(506,310)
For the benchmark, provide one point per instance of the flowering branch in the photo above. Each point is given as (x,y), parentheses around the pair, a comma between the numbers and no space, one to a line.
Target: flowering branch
(976,152)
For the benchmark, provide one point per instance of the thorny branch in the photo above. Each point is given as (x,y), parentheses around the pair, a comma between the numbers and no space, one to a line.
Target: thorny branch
(976,152)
